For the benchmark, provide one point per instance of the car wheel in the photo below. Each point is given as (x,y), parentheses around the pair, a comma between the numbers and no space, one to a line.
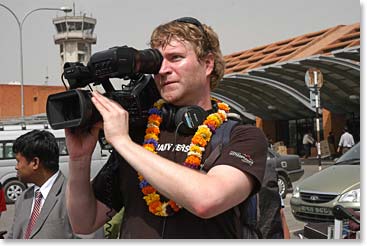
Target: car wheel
(282,184)
(13,189)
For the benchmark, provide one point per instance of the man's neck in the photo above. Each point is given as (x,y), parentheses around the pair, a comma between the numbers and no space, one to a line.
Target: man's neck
(43,176)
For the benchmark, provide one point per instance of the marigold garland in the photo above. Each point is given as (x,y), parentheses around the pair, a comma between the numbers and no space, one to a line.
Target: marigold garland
(193,160)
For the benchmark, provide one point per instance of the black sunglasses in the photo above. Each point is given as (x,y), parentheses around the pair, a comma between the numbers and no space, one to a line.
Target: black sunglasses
(195,22)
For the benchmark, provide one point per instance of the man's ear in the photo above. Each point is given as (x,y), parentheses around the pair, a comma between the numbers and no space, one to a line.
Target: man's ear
(35,163)
(209,63)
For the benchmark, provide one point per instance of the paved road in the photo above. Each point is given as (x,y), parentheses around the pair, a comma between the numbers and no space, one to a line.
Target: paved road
(294,225)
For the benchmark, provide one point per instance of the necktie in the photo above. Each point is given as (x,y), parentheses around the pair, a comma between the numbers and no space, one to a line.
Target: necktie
(35,213)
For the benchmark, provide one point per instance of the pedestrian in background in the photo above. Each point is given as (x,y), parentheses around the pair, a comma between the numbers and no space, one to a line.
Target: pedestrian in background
(307,143)
(40,211)
(346,141)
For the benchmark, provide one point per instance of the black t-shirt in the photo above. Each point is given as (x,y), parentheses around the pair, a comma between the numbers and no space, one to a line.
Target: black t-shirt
(117,185)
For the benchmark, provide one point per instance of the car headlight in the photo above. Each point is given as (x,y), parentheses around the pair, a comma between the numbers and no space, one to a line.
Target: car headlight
(351,196)
(296,193)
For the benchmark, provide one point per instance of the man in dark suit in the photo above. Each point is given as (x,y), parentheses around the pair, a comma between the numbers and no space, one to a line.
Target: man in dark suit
(40,212)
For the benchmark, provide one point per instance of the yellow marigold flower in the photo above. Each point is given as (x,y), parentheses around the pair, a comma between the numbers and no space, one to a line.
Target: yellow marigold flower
(216,115)
(195,148)
(149,147)
(151,198)
(205,132)
(158,104)
(147,136)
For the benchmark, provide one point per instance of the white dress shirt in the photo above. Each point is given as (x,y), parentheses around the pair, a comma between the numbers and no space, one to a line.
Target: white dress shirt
(44,189)
(346,140)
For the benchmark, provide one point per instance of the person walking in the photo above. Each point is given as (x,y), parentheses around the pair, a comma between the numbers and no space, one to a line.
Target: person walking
(307,142)
(346,141)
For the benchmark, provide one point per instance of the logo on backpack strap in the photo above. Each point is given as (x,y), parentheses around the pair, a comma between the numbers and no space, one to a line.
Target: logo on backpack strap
(244,157)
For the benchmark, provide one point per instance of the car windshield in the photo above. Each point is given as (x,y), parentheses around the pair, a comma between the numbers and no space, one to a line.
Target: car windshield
(352,156)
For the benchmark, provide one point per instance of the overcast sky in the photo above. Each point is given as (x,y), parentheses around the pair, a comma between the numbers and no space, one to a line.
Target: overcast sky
(240,24)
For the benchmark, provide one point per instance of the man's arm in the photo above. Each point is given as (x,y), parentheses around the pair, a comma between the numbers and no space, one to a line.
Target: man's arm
(340,143)
(205,195)
(86,213)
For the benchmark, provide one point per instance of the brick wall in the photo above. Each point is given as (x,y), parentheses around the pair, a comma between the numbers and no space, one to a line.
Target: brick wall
(35,97)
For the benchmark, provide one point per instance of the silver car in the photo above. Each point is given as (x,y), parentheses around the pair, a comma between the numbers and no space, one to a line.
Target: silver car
(339,184)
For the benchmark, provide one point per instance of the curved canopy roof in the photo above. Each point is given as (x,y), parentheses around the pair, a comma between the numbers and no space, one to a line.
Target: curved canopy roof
(275,88)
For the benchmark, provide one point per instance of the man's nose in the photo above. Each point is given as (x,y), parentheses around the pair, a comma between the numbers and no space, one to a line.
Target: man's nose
(165,67)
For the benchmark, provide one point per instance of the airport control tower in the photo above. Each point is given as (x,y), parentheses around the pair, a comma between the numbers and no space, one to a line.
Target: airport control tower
(75,37)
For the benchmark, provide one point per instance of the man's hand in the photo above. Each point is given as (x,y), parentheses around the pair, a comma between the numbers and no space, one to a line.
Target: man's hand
(81,143)
(115,118)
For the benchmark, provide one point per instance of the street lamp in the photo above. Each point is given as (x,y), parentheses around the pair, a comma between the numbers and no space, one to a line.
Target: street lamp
(314,81)
(20,25)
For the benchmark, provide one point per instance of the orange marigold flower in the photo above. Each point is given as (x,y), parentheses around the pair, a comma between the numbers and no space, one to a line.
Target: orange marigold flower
(148,189)
(154,117)
(173,206)
(224,107)
(140,177)
(154,130)
(192,159)
(155,207)
(211,122)
(198,140)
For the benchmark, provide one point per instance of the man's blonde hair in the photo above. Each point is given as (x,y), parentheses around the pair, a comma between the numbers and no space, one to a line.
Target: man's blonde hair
(203,38)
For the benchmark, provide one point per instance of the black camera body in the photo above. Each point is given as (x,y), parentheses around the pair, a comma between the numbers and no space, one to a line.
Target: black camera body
(74,108)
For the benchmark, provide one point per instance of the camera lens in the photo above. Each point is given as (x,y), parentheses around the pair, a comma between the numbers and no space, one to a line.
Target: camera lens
(72,108)
(148,61)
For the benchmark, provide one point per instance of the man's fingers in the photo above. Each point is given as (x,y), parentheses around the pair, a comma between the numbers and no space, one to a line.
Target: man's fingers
(109,105)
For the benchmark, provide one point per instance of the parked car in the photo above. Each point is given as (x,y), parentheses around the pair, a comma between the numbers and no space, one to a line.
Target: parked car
(339,184)
(289,169)
(8,175)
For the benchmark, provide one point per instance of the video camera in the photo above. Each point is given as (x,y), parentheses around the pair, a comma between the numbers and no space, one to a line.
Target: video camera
(74,108)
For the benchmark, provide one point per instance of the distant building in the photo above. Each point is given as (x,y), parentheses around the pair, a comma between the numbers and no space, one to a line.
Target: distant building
(35,97)
(75,38)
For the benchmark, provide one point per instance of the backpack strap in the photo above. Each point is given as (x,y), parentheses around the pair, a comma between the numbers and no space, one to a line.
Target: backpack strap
(218,140)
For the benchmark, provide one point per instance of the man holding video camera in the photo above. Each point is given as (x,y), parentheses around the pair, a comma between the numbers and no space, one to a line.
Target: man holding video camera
(155,172)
